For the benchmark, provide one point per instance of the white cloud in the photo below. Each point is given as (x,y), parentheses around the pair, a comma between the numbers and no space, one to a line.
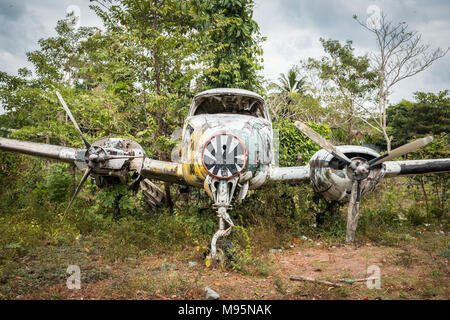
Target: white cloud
(9,62)
(293,29)
(25,22)
(284,49)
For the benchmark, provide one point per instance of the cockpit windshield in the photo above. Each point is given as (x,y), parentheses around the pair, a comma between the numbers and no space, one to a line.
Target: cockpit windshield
(234,104)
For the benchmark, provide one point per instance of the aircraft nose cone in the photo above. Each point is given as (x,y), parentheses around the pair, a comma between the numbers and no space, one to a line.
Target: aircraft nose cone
(224,156)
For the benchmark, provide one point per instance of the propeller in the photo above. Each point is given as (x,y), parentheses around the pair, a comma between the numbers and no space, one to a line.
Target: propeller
(358,169)
(321,141)
(353,211)
(88,146)
(95,155)
(77,190)
(407,148)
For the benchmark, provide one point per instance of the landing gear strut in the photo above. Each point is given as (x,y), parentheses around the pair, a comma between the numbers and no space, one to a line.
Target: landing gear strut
(222,232)
(222,193)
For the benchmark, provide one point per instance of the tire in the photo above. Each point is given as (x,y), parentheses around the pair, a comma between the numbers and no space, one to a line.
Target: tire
(224,249)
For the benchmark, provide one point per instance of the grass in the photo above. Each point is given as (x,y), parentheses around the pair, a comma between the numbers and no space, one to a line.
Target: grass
(41,274)
(124,254)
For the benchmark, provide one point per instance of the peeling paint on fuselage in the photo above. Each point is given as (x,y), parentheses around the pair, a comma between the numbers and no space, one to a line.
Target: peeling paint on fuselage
(256,134)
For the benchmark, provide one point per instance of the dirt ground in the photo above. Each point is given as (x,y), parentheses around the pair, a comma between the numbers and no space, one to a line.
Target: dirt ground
(414,270)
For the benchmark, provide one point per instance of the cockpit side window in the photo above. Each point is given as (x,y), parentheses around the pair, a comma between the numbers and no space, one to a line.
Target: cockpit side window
(229,104)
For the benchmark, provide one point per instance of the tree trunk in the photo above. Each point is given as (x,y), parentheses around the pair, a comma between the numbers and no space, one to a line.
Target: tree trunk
(157,68)
(387,139)
(382,107)
(350,127)
(424,194)
(350,124)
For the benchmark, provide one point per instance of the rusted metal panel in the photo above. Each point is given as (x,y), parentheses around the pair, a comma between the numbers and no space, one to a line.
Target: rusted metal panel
(255,133)
(162,170)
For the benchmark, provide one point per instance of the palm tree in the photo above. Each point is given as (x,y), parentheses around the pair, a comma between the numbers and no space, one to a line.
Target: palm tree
(292,82)
(283,100)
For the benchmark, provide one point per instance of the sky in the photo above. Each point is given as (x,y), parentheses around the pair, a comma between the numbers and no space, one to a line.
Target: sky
(292,27)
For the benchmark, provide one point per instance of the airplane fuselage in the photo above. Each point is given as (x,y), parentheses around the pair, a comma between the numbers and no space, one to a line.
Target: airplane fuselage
(226,145)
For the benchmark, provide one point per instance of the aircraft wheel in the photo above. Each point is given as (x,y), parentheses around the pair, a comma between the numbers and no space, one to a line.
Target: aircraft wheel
(224,249)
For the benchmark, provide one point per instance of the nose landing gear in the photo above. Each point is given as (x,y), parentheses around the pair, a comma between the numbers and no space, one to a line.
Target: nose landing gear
(222,193)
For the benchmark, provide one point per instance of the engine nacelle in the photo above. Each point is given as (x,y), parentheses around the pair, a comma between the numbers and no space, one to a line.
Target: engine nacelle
(112,158)
(329,176)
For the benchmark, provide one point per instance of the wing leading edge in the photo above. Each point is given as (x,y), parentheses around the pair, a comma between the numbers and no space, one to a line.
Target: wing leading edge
(292,174)
(148,168)
(411,167)
(60,153)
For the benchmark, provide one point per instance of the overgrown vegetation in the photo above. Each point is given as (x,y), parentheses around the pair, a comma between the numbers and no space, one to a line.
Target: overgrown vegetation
(33,239)
(134,80)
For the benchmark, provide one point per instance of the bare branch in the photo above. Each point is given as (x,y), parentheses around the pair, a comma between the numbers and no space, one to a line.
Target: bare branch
(401,54)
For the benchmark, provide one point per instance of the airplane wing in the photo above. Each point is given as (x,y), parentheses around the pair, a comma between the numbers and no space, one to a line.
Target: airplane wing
(391,169)
(293,174)
(414,167)
(162,170)
(104,159)
(117,163)
(48,151)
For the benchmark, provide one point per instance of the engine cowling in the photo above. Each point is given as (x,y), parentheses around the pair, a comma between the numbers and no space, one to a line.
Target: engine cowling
(329,175)
(112,158)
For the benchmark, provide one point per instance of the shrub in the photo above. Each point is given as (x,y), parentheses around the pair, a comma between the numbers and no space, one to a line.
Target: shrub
(58,182)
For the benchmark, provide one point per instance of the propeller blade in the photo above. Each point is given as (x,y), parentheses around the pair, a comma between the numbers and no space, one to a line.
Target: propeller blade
(77,190)
(407,148)
(88,145)
(321,141)
(353,211)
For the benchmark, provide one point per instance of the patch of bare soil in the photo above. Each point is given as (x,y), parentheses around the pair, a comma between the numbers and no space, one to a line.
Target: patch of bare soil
(405,273)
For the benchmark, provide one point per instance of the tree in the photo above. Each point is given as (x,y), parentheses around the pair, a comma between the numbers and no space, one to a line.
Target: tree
(287,99)
(159,41)
(133,79)
(294,144)
(295,106)
(349,74)
(33,109)
(231,47)
(401,55)
(428,115)
(58,58)
(292,82)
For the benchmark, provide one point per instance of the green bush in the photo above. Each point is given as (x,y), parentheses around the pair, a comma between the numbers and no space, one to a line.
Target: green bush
(415,216)
(58,182)
(293,142)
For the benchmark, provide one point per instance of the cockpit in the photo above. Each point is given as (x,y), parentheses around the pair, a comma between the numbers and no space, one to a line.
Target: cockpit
(229,101)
